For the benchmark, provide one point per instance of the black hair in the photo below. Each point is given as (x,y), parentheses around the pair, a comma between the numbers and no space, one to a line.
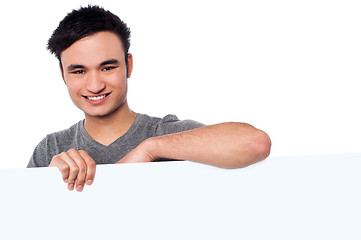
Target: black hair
(84,22)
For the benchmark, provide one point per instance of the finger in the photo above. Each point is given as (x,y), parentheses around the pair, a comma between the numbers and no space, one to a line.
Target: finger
(73,167)
(91,166)
(61,165)
(82,167)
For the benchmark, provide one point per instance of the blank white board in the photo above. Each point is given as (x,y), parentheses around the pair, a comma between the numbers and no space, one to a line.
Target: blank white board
(304,197)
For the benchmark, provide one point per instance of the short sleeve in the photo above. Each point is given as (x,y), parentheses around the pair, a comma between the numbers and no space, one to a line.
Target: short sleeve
(40,157)
(171,124)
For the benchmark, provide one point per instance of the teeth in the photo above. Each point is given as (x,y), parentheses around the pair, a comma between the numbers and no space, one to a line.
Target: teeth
(96,98)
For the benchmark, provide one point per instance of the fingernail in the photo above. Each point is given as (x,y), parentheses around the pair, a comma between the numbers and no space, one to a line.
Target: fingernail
(65,180)
(79,188)
(71,186)
(89,182)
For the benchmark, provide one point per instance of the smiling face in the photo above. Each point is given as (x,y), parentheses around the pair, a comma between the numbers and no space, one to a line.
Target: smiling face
(95,73)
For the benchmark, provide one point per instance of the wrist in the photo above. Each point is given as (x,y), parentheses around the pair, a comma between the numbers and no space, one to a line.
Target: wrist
(149,146)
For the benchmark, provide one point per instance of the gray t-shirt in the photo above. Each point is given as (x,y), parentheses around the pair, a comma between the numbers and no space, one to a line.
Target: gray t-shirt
(76,137)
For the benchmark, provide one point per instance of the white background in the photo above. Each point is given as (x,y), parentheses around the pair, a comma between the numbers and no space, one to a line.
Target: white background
(290,68)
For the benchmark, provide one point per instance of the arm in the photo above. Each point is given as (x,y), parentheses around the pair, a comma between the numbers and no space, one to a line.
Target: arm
(227,145)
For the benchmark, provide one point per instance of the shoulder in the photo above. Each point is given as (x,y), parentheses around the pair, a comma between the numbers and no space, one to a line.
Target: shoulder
(169,124)
(144,118)
(53,144)
(66,135)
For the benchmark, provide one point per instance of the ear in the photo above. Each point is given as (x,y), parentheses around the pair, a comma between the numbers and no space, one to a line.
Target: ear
(130,65)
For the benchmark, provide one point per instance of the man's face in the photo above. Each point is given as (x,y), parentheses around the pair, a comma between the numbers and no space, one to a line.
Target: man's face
(95,73)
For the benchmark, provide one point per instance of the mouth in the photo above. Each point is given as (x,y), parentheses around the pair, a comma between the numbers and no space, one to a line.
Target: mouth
(94,98)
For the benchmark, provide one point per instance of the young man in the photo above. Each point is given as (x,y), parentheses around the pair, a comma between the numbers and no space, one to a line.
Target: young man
(92,46)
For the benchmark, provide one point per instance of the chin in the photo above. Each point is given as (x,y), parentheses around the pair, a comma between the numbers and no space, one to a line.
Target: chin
(96,115)
(99,114)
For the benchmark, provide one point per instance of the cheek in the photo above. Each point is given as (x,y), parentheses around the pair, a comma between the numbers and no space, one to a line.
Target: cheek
(73,87)
(118,82)
(123,86)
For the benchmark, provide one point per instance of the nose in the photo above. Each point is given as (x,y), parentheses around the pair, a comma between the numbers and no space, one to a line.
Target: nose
(95,83)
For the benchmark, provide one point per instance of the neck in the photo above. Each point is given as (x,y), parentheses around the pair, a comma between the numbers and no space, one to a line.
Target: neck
(107,129)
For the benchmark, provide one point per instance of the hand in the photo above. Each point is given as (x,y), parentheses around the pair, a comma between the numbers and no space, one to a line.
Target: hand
(76,167)
(139,154)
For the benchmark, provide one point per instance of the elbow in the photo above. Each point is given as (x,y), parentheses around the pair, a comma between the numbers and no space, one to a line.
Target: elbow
(261,146)
(256,148)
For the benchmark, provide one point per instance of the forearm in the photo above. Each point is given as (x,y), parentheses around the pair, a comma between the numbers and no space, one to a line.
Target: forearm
(228,145)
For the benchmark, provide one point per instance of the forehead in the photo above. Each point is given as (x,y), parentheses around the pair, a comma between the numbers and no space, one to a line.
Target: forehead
(93,50)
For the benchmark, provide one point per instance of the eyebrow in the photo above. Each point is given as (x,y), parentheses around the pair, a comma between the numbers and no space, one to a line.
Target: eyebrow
(74,66)
(110,61)
(107,62)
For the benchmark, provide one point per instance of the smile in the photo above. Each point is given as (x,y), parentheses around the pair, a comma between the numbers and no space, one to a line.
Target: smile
(96,97)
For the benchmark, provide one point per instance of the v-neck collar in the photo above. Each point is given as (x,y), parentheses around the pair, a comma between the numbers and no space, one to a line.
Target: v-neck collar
(118,141)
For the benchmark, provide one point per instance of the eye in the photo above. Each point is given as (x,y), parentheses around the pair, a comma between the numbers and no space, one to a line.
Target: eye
(80,71)
(108,68)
